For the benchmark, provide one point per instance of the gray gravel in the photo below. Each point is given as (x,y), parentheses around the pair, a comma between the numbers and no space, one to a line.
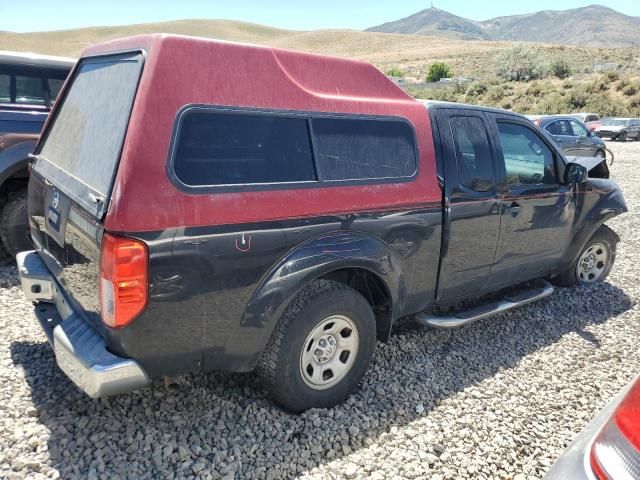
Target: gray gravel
(498,399)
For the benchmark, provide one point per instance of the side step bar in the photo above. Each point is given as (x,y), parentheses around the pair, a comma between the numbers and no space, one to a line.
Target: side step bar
(540,289)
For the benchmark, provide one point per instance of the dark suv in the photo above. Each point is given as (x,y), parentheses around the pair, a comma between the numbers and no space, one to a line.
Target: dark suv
(29,84)
(283,213)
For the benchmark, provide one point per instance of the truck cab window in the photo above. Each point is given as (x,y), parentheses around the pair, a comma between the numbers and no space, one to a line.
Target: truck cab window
(527,159)
(473,154)
(5,88)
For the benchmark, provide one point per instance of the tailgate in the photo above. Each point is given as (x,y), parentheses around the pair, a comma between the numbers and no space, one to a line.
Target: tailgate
(76,163)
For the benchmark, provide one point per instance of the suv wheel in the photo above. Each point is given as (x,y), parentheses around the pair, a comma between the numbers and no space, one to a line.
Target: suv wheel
(14,221)
(594,262)
(320,349)
(622,137)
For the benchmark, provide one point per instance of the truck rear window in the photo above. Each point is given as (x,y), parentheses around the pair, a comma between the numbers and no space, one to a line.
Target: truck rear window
(82,147)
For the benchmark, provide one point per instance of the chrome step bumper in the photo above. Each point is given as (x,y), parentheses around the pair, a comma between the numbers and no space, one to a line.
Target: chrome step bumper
(81,353)
(540,289)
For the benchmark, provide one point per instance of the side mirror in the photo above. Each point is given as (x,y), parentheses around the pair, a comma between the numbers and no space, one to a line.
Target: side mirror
(575,173)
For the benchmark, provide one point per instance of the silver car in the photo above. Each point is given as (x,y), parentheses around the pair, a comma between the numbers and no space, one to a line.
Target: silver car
(619,129)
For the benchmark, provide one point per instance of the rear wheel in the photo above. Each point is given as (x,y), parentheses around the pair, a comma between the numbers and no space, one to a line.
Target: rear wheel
(622,137)
(594,262)
(320,349)
(14,224)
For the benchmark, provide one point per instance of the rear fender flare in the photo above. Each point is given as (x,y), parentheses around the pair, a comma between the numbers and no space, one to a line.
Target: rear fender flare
(313,259)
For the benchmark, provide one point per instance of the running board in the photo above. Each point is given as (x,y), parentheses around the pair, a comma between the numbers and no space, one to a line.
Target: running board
(540,289)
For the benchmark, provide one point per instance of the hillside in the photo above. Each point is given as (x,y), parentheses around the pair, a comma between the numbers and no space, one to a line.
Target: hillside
(594,26)
(412,54)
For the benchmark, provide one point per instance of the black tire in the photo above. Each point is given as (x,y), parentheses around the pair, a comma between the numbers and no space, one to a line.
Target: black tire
(622,137)
(14,224)
(605,237)
(280,366)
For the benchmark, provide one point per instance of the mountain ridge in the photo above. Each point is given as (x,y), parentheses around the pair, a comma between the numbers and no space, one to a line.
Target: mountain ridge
(592,26)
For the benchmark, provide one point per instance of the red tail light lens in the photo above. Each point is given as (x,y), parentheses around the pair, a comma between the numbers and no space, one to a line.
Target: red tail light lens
(616,450)
(123,279)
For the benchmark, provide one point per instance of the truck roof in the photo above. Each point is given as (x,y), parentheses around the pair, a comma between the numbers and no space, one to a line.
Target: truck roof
(466,106)
(35,59)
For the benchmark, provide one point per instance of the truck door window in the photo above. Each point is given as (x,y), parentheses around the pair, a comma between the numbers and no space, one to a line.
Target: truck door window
(473,154)
(527,158)
(29,90)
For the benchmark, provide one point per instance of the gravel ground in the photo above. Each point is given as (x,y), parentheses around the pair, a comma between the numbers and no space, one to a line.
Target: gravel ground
(498,399)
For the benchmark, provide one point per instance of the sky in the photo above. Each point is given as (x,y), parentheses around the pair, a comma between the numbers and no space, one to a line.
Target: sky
(39,15)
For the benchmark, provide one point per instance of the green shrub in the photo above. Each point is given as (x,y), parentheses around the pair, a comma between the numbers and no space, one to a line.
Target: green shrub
(534,89)
(553,103)
(395,72)
(520,63)
(611,76)
(437,71)
(577,100)
(495,93)
(630,90)
(605,106)
(476,89)
(623,82)
(560,68)
(634,104)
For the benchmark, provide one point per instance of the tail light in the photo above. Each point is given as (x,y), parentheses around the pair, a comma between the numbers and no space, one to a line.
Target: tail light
(123,279)
(616,450)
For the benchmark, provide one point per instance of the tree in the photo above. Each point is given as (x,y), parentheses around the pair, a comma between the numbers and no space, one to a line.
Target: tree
(437,71)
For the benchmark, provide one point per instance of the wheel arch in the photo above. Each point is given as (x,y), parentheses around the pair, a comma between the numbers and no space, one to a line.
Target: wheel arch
(359,260)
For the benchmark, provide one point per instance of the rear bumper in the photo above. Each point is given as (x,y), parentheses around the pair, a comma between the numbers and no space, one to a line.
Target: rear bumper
(80,351)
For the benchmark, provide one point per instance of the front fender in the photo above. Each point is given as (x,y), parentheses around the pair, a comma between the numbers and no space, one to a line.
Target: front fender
(315,258)
(610,204)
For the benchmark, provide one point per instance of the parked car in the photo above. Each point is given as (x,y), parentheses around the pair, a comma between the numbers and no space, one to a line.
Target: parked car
(29,84)
(619,129)
(609,447)
(585,117)
(590,120)
(282,214)
(571,135)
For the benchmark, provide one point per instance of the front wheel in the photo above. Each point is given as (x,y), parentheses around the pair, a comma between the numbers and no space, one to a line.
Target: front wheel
(320,349)
(595,260)
(622,137)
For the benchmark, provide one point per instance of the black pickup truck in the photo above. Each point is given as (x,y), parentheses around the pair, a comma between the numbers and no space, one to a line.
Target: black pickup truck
(284,219)
(29,84)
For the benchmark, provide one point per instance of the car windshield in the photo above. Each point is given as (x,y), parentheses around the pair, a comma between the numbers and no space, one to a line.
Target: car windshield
(615,122)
